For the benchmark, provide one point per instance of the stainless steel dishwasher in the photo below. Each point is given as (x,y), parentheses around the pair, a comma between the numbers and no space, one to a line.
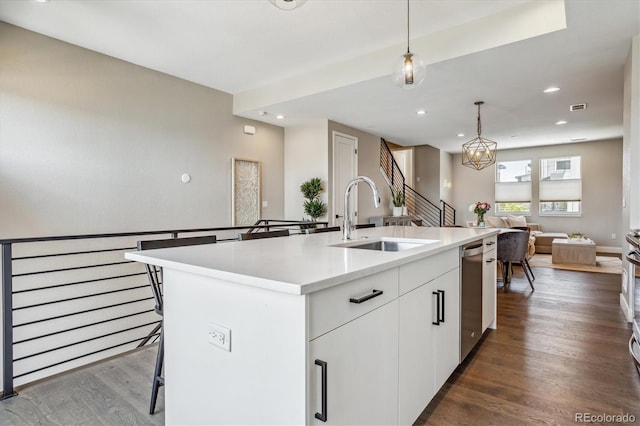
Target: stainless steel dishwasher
(470,296)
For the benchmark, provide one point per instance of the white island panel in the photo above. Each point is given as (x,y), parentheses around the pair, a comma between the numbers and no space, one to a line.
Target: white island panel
(264,375)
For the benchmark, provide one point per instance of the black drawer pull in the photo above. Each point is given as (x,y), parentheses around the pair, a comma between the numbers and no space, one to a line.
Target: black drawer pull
(490,243)
(491,260)
(323,415)
(369,296)
(441,301)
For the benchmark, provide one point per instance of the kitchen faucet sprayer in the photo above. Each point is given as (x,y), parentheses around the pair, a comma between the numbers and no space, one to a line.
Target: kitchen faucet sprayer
(346,224)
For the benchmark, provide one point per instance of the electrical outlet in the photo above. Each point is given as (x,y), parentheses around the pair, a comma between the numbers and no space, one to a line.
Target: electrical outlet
(219,336)
(613,236)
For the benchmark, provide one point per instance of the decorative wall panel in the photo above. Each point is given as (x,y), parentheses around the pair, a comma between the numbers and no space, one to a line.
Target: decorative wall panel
(245,181)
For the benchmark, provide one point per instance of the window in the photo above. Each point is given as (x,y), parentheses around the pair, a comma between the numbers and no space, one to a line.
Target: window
(513,187)
(561,186)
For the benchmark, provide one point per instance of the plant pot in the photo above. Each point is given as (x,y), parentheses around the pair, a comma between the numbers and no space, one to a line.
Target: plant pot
(397,211)
(404,211)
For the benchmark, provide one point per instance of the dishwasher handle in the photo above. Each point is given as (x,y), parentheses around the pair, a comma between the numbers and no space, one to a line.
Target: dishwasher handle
(472,250)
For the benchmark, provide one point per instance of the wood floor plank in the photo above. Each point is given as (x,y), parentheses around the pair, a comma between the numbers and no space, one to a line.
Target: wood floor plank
(115,392)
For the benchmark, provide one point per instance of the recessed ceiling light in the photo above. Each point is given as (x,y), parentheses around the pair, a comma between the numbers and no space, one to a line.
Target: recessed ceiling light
(280,117)
(514,136)
(551,89)
(287,4)
(461,135)
(560,122)
(421,112)
(578,139)
(263,113)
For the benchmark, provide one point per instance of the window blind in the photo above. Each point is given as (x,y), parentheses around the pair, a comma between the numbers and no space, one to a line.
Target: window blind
(513,192)
(561,190)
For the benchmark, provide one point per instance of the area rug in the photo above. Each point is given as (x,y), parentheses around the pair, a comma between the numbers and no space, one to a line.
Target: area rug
(604,264)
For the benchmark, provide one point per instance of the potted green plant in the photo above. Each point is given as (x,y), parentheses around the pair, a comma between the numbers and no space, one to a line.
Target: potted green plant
(313,205)
(398,200)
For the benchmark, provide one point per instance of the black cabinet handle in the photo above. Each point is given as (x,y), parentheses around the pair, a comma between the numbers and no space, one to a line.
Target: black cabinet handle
(441,301)
(323,415)
(369,296)
(437,321)
(493,259)
(490,243)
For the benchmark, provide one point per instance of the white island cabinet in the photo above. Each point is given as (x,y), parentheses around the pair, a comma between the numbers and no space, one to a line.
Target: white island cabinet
(318,333)
(489,257)
(429,332)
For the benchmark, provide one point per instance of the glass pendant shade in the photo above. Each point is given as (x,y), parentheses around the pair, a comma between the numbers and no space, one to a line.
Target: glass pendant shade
(409,71)
(479,152)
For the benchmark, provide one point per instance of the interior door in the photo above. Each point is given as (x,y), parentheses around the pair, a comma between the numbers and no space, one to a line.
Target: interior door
(345,168)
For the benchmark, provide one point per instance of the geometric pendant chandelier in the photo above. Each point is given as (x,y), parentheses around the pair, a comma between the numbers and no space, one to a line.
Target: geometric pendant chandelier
(479,152)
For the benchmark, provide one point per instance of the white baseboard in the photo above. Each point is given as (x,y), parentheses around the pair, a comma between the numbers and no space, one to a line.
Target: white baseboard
(626,310)
(609,249)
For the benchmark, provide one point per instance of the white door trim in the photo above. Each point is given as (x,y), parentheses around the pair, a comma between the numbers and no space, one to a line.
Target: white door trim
(338,193)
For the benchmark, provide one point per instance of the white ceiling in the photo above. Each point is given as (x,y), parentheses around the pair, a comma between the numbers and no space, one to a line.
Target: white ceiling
(332,59)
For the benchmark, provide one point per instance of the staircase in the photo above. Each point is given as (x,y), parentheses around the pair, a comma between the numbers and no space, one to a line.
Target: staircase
(422,211)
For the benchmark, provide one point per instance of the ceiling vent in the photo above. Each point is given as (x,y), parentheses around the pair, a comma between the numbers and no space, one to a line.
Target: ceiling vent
(577,107)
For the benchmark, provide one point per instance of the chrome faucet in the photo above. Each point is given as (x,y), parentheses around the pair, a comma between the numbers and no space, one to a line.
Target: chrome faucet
(346,224)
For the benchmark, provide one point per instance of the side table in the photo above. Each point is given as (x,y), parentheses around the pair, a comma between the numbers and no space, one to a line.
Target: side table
(573,250)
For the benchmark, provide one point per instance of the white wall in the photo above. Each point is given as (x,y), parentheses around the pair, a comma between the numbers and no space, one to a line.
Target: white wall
(92,144)
(427,168)
(446,177)
(601,189)
(631,158)
(306,155)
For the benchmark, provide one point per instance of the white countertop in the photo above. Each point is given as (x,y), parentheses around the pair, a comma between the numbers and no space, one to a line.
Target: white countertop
(301,264)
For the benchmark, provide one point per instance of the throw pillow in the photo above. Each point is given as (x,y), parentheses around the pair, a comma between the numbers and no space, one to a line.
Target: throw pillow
(516,221)
(494,222)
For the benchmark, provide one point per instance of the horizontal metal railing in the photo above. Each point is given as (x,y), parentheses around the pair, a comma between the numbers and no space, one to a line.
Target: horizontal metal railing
(72,300)
(448,214)
(420,208)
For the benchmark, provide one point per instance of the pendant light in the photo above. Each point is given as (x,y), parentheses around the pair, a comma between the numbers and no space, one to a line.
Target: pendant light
(479,152)
(409,70)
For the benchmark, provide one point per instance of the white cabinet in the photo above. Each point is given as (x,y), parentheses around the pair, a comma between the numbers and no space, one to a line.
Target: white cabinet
(489,309)
(429,332)
(416,384)
(360,359)
(447,332)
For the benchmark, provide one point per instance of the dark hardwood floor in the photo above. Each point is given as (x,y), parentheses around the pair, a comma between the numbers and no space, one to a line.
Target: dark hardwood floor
(559,351)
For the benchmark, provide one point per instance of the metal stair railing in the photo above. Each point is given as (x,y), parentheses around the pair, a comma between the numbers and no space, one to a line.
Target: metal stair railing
(448,214)
(418,206)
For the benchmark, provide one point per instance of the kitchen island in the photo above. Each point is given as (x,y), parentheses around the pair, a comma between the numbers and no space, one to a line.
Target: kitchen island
(302,330)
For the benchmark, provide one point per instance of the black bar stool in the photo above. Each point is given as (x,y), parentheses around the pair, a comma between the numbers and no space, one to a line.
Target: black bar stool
(266,234)
(154,273)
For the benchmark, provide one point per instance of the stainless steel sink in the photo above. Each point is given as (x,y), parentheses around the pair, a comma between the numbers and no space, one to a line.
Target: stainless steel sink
(386,244)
